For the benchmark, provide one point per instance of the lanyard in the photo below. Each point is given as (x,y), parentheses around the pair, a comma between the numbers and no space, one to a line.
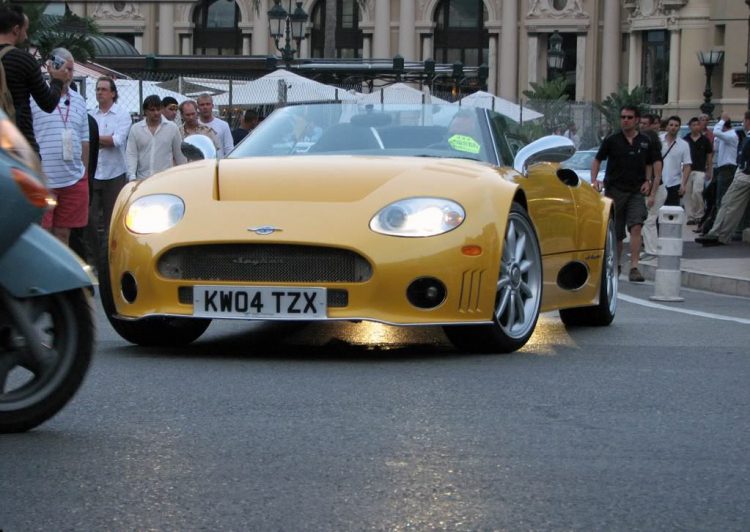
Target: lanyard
(67,114)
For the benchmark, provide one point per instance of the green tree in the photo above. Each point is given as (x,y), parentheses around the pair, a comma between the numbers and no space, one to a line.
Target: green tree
(610,107)
(47,32)
(549,98)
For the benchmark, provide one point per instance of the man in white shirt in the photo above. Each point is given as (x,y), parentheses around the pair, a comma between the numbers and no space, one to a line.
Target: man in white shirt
(153,143)
(727,143)
(676,162)
(571,134)
(63,138)
(114,123)
(221,128)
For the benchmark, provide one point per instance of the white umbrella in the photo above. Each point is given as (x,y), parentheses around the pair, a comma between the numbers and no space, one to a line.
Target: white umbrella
(266,91)
(499,105)
(399,93)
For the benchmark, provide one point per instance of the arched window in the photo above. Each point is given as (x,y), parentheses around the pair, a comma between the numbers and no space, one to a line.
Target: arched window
(348,35)
(216,28)
(460,32)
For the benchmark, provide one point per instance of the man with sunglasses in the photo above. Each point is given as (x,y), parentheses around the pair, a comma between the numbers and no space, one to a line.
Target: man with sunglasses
(626,181)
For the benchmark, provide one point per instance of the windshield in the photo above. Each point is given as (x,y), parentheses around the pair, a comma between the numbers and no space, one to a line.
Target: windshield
(582,160)
(355,129)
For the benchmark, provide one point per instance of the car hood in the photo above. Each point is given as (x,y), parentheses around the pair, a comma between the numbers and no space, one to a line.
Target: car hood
(349,179)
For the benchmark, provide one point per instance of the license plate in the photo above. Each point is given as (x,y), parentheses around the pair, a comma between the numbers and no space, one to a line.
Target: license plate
(259,302)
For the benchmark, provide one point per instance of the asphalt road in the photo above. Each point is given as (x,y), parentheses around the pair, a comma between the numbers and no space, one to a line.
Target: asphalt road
(640,426)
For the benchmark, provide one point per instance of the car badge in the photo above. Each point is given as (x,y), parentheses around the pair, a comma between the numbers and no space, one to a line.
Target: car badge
(264,230)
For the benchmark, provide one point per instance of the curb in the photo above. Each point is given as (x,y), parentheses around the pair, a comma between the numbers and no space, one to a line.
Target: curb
(717,284)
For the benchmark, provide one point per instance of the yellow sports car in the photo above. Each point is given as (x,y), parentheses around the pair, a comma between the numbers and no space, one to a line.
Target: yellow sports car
(399,214)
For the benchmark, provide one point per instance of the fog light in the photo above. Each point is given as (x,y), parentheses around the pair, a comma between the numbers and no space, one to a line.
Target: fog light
(129,287)
(426,293)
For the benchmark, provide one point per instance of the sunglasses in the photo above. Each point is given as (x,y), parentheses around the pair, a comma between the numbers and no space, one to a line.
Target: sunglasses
(627,117)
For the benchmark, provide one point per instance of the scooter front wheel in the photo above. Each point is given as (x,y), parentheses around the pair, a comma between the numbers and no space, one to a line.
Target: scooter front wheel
(46,343)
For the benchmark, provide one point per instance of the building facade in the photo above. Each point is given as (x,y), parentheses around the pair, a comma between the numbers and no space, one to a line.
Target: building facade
(650,43)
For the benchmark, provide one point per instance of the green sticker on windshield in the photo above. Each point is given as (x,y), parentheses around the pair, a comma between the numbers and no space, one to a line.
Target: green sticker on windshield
(464,143)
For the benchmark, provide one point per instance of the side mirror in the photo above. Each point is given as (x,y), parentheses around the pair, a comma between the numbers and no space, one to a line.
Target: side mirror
(550,149)
(198,147)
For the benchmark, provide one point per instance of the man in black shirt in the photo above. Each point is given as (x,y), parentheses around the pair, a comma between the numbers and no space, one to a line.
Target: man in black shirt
(627,180)
(22,72)
(702,155)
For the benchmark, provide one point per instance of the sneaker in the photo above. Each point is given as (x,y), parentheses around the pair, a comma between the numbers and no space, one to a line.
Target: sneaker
(712,242)
(647,257)
(635,276)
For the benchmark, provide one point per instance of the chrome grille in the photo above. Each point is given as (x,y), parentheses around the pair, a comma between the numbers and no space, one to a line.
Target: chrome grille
(337,298)
(264,263)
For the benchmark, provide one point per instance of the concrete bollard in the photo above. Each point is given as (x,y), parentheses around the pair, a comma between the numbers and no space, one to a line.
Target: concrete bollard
(669,251)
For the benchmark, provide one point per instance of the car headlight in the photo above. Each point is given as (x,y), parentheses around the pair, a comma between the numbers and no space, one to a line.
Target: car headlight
(418,217)
(154,214)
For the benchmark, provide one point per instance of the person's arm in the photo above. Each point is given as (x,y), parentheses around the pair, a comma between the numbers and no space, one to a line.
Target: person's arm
(594,173)
(655,183)
(46,96)
(687,163)
(179,158)
(726,136)
(131,157)
(228,142)
(709,166)
(85,156)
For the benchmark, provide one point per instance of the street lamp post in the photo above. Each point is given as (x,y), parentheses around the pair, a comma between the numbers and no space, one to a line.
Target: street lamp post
(290,25)
(555,54)
(709,60)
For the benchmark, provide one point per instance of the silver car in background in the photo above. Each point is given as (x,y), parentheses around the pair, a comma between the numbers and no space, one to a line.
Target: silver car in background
(581,163)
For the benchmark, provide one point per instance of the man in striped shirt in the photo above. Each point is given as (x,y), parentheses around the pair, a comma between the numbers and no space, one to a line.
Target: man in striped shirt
(63,137)
(22,73)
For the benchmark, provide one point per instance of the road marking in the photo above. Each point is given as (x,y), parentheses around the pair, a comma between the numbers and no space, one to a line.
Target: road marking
(698,313)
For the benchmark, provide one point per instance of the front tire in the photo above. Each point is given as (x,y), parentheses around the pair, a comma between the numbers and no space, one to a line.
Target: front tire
(152,332)
(519,293)
(32,390)
(602,314)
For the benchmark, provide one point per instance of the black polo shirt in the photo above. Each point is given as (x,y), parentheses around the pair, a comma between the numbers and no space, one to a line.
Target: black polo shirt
(699,151)
(626,167)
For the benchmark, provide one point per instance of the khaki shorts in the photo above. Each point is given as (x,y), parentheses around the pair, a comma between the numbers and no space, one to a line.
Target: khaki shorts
(630,209)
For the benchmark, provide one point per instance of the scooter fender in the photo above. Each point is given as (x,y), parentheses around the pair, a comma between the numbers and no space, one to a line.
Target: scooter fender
(39,264)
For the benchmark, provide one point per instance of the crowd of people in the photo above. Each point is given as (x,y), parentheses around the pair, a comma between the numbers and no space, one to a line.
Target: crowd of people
(89,156)
(670,170)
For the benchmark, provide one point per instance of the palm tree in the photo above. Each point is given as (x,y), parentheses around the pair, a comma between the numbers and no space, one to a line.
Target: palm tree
(329,49)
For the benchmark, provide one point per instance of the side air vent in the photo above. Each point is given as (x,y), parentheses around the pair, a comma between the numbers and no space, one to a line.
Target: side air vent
(573,276)
(569,177)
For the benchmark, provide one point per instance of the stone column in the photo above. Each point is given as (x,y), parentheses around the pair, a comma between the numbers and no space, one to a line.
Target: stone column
(260,30)
(611,47)
(427,51)
(166,29)
(407,33)
(674,66)
(138,44)
(78,9)
(382,32)
(634,61)
(492,80)
(246,39)
(533,73)
(304,47)
(507,74)
(581,67)
(186,48)
(367,46)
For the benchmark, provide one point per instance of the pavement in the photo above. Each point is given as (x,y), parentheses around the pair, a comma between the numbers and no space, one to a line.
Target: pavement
(718,269)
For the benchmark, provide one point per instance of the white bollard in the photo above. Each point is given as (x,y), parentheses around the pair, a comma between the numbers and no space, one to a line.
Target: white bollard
(669,251)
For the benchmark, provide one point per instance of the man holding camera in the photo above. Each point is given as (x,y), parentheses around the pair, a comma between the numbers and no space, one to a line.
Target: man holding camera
(63,137)
(22,73)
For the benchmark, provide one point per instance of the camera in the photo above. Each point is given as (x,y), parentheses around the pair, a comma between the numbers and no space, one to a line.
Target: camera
(58,62)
